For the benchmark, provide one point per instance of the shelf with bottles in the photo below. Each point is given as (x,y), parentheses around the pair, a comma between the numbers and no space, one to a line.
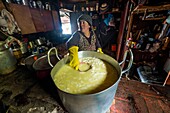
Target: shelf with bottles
(143,16)
(149,40)
(145,30)
(146,47)
(38,4)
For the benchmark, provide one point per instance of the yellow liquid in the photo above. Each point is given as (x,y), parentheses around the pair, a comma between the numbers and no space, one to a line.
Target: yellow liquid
(101,76)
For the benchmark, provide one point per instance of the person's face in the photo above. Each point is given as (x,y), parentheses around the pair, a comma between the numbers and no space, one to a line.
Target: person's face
(111,22)
(83,25)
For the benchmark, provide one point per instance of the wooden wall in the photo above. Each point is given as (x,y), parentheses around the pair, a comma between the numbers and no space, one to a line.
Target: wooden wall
(1,5)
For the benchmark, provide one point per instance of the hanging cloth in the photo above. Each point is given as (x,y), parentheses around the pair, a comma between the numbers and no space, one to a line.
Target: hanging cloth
(8,23)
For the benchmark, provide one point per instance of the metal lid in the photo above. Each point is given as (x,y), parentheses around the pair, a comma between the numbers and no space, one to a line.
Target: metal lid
(3,45)
(42,62)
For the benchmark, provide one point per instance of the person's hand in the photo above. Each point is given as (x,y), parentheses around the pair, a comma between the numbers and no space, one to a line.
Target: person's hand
(99,50)
(74,62)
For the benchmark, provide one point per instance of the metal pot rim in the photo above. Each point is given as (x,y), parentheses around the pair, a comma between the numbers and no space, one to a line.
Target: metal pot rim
(40,58)
(98,55)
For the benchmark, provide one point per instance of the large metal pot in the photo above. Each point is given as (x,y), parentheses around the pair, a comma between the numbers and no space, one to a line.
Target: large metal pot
(8,61)
(91,103)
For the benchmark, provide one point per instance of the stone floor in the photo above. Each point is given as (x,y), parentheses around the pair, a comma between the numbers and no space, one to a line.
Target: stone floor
(22,92)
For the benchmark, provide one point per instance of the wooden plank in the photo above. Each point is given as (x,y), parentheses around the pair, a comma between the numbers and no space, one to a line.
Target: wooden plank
(141,98)
(23,18)
(153,106)
(56,20)
(142,9)
(124,16)
(121,107)
(37,18)
(48,20)
(136,87)
(140,104)
(165,106)
(144,89)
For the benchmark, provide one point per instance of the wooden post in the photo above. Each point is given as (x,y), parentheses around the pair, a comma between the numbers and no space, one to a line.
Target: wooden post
(167,80)
(121,30)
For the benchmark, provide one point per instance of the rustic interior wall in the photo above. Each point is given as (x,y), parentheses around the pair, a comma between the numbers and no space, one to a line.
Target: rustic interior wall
(1,5)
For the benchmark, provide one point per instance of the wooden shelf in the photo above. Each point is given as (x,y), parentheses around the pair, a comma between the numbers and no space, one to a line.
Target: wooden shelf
(146,9)
(114,10)
(155,18)
(142,9)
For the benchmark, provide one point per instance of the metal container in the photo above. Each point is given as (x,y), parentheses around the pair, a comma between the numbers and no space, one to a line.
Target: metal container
(91,103)
(40,41)
(17,53)
(42,67)
(8,61)
(25,2)
(23,48)
(29,61)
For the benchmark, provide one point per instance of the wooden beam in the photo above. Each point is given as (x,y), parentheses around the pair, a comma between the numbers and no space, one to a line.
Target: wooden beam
(121,30)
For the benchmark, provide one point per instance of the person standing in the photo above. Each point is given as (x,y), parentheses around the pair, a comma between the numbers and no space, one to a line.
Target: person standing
(84,39)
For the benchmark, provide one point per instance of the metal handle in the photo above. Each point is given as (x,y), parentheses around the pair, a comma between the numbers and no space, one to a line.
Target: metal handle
(12,39)
(48,54)
(130,62)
